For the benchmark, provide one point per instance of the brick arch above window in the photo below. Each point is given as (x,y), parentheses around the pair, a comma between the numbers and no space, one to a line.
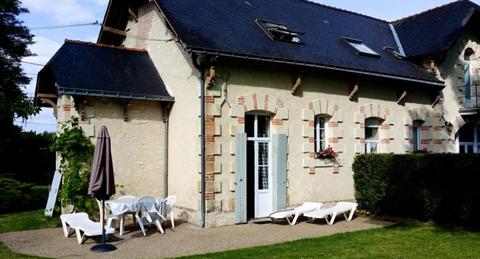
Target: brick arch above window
(260,102)
(373,111)
(322,107)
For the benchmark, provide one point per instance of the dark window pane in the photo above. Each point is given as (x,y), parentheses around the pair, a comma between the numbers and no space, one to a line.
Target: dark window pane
(263,126)
(415,132)
(262,166)
(466,133)
(249,122)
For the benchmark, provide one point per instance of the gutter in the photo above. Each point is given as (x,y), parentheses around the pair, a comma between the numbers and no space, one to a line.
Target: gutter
(113,94)
(201,77)
(166,119)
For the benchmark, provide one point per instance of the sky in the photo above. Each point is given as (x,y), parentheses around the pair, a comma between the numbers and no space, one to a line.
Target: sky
(47,13)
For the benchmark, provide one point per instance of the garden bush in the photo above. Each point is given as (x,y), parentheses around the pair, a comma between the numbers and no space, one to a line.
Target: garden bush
(438,187)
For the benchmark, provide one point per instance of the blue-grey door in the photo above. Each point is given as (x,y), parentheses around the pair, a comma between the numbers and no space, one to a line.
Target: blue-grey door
(240,177)
(279,174)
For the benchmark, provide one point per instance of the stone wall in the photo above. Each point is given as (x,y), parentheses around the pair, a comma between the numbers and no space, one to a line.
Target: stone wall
(137,137)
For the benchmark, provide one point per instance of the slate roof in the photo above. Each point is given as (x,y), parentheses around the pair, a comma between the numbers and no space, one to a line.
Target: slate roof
(435,30)
(228,28)
(88,69)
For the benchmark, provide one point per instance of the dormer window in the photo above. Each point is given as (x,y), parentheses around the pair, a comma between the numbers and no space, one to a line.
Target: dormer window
(361,48)
(279,32)
(395,53)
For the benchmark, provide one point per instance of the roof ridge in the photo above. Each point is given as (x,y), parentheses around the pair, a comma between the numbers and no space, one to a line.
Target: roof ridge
(343,10)
(432,9)
(105,46)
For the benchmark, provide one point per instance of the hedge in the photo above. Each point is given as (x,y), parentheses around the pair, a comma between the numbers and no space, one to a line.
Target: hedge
(439,187)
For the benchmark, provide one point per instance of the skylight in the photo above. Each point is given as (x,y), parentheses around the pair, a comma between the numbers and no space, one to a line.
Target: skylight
(279,32)
(361,47)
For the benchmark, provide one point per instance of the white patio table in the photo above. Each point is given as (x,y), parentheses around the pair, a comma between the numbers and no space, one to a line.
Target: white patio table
(123,205)
(128,205)
(120,207)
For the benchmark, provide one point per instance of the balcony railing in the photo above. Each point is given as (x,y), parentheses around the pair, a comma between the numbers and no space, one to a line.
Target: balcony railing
(471,98)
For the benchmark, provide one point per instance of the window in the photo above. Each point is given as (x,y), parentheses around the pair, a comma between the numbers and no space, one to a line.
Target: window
(469,78)
(257,128)
(320,133)
(361,48)
(469,139)
(395,53)
(416,134)
(279,32)
(371,135)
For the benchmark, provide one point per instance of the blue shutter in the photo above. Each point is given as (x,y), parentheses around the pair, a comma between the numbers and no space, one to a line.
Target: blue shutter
(279,171)
(240,177)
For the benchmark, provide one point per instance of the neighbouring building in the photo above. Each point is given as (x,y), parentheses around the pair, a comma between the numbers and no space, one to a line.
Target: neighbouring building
(244,107)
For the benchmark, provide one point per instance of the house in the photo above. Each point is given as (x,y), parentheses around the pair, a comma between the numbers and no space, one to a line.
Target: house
(244,107)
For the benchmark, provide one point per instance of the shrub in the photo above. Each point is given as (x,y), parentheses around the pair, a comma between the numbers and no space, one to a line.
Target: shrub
(76,152)
(439,187)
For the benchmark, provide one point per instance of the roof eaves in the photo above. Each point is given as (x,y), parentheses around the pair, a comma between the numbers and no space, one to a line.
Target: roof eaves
(104,46)
(113,94)
(107,13)
(435,83)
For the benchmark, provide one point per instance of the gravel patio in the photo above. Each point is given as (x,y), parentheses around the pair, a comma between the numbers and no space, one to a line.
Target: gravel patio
(186,239)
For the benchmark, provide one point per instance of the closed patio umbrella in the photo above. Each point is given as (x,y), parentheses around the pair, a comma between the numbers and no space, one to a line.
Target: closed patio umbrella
(102,182)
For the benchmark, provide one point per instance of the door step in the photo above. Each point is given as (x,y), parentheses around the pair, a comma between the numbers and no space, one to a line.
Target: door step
(263,220)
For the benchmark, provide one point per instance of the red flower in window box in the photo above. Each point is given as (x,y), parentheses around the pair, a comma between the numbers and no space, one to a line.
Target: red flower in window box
(327,153)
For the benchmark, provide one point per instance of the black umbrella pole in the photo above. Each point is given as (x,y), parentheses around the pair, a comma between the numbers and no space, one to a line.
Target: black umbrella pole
(103,247)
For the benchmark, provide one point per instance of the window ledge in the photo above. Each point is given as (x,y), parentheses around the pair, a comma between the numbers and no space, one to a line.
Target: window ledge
(321,162)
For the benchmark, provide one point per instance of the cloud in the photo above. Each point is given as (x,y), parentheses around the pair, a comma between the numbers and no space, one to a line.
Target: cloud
(64,12)
(44,48)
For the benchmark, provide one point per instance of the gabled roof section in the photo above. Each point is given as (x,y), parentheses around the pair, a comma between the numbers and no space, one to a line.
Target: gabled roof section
(88,69)
(228,28)
(437,29)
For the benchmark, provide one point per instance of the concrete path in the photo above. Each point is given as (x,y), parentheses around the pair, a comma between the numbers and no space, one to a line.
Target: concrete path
(186,239)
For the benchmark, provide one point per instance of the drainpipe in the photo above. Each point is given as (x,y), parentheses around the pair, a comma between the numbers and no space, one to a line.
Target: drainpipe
(166,115)
(199,67)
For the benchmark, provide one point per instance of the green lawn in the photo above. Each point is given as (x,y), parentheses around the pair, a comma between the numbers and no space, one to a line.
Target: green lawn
(26,221)
(407,240)
(23,221)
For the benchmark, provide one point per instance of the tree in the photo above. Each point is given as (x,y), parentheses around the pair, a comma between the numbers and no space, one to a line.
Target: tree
(14,41)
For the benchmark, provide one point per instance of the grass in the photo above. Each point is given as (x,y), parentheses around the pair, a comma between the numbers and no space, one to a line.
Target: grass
(407,240)
(27,221)
(23,221)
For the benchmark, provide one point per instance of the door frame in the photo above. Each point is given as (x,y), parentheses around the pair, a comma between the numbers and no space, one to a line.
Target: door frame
(256,141)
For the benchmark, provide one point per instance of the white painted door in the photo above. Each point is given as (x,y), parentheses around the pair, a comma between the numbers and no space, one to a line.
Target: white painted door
(260,136)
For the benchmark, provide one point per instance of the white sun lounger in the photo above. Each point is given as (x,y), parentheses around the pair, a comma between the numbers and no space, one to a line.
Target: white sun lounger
(295,212)
(82,224)
(339,208)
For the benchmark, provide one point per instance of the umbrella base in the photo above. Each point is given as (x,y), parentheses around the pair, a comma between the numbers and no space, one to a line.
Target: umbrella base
(103,248)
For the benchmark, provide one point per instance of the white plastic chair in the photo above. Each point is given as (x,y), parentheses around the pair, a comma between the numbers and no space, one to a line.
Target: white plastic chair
(295,212)
(110,217)
(148,212)
(82,224)
(169,203)
(339,208)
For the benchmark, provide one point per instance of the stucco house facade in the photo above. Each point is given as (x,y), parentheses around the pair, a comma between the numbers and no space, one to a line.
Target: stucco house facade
(241,108)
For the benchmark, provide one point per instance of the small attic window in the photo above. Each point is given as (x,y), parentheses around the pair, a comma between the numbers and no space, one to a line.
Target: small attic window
(279,32)
(395,53)
(361,47)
